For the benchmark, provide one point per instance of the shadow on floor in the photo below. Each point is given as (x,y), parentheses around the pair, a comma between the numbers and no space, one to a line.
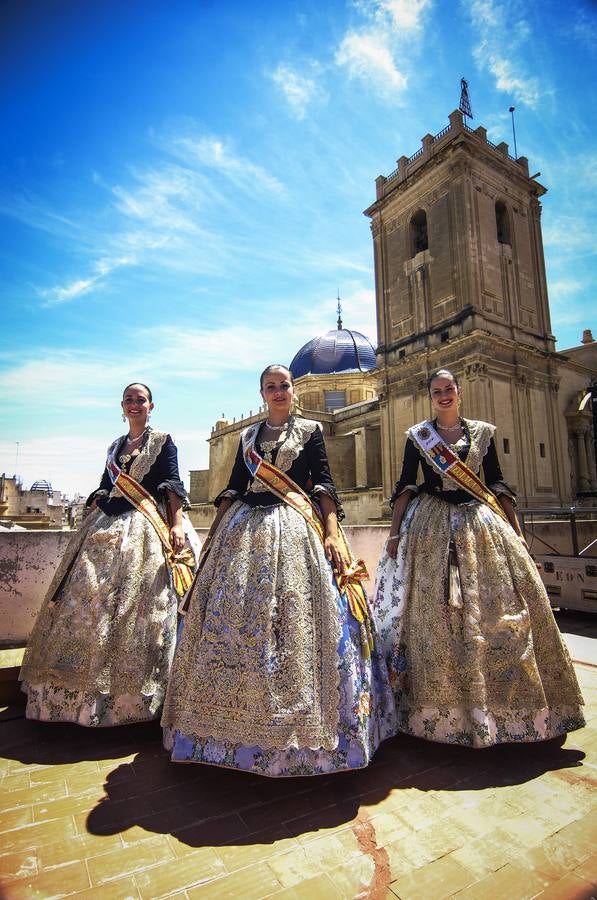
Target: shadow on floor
(203,805)
(572,621)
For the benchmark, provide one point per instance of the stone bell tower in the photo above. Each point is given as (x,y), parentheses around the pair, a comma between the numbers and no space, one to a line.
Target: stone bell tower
(460,282)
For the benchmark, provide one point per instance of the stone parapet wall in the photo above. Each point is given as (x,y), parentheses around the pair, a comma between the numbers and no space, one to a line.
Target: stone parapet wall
(29,559)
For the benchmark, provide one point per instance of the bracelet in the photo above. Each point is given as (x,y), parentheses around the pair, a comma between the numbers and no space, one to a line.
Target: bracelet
(393,537)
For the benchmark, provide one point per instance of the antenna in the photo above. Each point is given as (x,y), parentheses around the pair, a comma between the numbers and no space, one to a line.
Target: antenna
(511,111)
(339,310)
(465,103)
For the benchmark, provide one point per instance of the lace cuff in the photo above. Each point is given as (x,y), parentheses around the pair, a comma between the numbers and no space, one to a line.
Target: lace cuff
(400,490)
(174,485)
(226,494)
(331,492)
(500,487)
(177,488)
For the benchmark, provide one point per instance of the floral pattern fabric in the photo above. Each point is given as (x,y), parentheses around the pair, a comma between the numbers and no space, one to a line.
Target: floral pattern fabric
(474,653)
(102,646)
(268,675)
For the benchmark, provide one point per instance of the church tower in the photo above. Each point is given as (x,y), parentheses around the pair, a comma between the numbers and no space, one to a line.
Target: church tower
(460,282)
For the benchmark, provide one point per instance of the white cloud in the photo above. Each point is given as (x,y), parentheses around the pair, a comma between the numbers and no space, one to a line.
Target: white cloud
(36,213)
(560,290)
(366,55)
(501,49)
(167,198)
(161,215)
(507,77)
(404,15)
(298,90)
(56,295)
(584,28)
(61,380)
(391,30)
(212,152)
(109,264)
(72,463)
(567,235)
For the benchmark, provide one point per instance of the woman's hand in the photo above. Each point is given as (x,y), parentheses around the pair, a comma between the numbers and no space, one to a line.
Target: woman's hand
(334,553)
(177,538)
(392,545)
(400,504)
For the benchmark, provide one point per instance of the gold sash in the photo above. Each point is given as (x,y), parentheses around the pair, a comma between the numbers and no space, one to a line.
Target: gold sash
(180,564)
(349,581)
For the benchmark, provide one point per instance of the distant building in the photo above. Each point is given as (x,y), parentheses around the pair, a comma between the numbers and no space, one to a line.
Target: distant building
(335,383)
(460,282)
(41,507)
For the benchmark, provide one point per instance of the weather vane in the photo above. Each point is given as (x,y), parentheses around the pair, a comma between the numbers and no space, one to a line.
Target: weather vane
(465,103)
(339,309)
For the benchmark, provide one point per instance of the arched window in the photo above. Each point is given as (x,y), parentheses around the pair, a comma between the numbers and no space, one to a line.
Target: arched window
(502,223)
(418,232)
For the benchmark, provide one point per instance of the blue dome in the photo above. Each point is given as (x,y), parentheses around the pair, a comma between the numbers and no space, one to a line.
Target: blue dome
(337,351)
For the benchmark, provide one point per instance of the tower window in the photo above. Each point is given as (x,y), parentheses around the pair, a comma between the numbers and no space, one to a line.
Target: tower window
(401,354)
(418,232)
(506,445)
(542,451)
(444,336)
(502,223)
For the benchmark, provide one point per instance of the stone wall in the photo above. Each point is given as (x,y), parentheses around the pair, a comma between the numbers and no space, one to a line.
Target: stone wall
(28,561)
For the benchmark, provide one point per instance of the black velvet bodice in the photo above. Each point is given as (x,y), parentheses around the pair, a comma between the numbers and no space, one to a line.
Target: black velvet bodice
(161,475)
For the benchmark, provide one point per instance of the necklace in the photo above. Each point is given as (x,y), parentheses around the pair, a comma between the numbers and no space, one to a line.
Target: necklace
(450,427)
(275,427)
(137,439)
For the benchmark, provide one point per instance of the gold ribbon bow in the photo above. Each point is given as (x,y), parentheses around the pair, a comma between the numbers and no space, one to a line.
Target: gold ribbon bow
(181,565)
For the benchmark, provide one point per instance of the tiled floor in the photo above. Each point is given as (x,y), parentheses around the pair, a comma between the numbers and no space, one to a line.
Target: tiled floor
(104,814)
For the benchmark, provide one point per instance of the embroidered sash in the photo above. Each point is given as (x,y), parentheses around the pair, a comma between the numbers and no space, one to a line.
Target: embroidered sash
(446,462)
(179,564)
(349,581)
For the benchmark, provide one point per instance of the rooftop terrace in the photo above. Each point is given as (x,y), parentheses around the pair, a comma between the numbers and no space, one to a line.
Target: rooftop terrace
(105,814)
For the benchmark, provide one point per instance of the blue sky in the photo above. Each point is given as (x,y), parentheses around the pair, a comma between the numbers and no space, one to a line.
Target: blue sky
(182,186)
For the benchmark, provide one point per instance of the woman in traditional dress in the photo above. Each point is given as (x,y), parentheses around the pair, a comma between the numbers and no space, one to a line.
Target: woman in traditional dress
(102,646)
(474,653)
(277,670)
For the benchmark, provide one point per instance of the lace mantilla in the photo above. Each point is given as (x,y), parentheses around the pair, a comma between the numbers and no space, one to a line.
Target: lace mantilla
(142,463)
(480,434)
(298,434)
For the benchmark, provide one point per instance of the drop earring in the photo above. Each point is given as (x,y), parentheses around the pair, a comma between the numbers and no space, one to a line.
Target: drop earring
(123,417)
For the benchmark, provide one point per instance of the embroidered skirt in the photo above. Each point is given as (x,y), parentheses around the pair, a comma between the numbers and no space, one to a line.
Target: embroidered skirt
(474,653)
(268,674)
(100,654)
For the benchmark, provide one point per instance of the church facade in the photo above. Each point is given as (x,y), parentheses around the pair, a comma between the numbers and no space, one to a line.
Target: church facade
(460,282)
